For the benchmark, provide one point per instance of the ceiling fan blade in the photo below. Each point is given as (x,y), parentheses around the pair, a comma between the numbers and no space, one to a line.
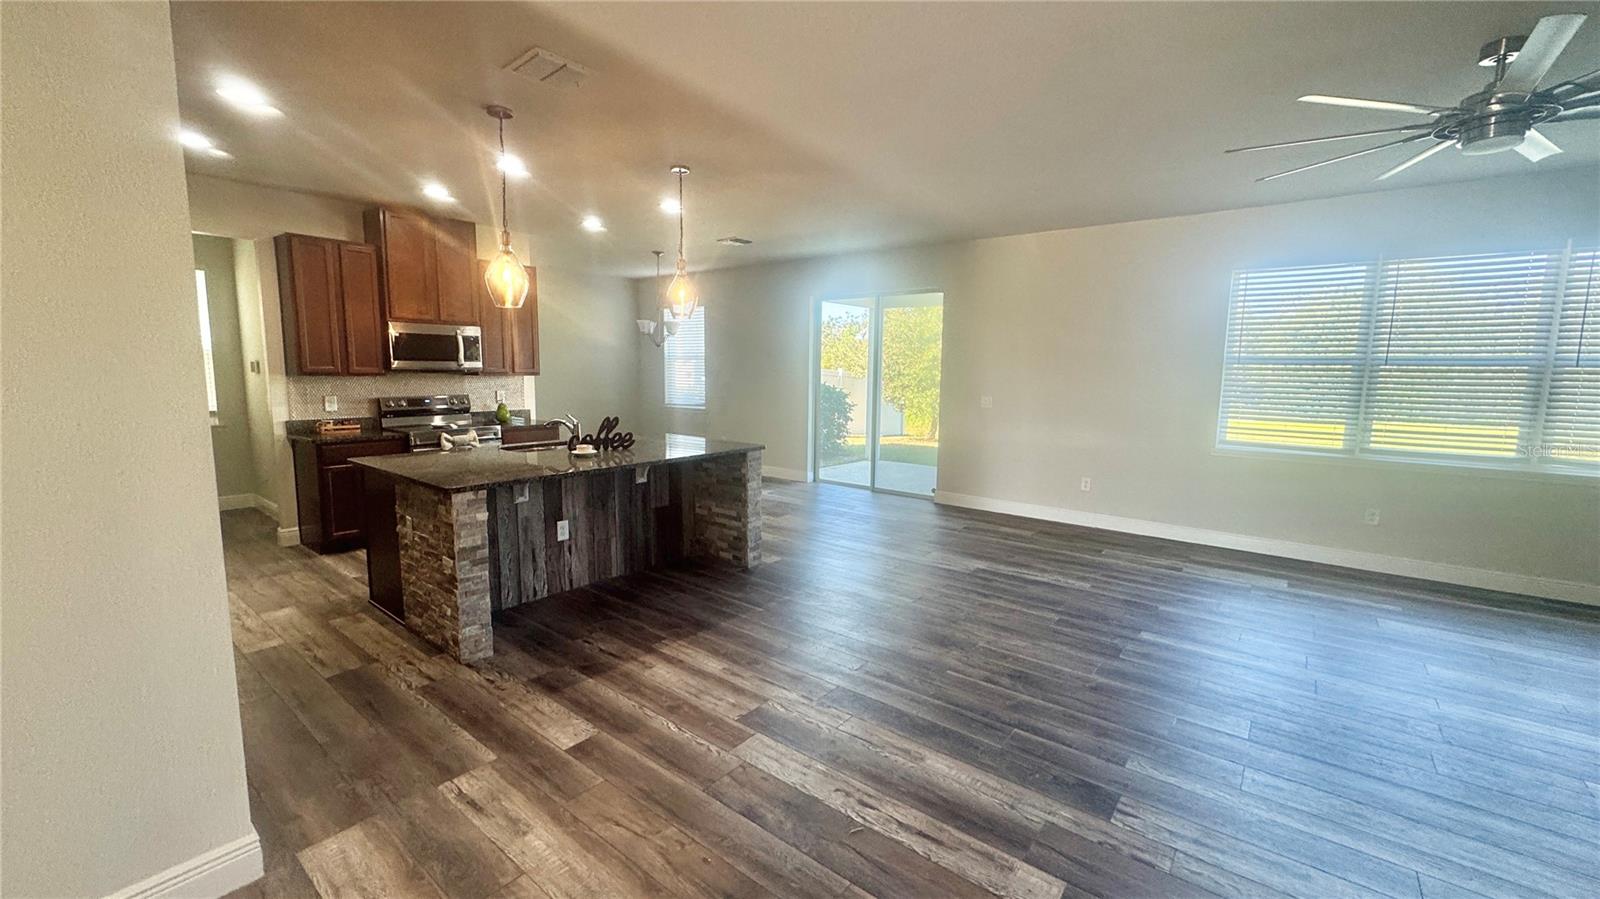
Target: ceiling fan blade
(1536,146)
(1579,84)
(1436,148)
(1318,165)
(1426,126)
(1539,51)
(1586,114)
(1385,105)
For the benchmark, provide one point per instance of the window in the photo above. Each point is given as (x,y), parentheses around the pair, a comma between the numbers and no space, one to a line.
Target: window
(685,356)
(205,342)
(1480,359)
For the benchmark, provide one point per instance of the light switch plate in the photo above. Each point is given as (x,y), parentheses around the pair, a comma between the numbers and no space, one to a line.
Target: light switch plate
(1085,485)
(986,402)
(499,396)
(330,403)
(563,530)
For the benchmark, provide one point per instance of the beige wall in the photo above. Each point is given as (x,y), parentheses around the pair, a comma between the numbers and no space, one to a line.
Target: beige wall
(230,435)
(1102,350)
(121,742)
(588,361)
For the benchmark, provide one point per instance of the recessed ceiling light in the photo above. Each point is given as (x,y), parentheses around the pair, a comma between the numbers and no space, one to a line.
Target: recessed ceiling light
(194,140)
(592,224)
(735,241)
(433,190)
(246,96)
(670,206)
(216,153)
(509,164)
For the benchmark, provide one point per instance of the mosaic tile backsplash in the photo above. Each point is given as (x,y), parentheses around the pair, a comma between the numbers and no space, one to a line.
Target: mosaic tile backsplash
(358,397)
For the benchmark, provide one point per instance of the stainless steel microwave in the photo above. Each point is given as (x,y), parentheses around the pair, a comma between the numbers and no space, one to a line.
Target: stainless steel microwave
(417,347)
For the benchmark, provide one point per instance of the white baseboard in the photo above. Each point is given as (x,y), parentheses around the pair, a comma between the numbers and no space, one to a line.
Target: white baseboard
(265,505)
(1507,582)
(289,536)
(783,474)
(236,501)
(213,873)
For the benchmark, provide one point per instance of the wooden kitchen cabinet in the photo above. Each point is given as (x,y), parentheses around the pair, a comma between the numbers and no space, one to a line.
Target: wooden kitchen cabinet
(456,244)
(510,336)
(363,309)
(330,490)
(426,266)
(332,317)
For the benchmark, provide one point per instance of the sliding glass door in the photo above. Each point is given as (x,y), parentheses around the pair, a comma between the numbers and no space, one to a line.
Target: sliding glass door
(876,418)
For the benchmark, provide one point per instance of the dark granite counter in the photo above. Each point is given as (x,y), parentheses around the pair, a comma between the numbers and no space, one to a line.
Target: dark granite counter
(306,429)
(489,465)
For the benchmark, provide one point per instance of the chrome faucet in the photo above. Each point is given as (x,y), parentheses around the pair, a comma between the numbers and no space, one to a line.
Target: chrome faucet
(568,422)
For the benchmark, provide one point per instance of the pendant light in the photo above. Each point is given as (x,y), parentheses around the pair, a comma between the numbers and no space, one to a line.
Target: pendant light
(681,297)
(505,277)
(660,328)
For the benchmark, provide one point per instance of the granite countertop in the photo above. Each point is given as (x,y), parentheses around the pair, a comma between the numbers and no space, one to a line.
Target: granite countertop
(489,465)
(306,429)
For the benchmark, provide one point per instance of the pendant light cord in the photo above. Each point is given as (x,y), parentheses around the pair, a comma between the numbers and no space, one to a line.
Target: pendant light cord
(680,217)
(505,215)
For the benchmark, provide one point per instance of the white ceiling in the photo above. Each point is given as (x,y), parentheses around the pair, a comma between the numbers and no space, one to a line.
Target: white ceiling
(818,128)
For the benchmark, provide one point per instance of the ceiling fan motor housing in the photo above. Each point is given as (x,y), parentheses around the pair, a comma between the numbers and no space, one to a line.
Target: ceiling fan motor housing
(1497,122)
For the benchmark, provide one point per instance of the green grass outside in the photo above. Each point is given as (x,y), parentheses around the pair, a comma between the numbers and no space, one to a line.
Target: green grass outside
(910,450)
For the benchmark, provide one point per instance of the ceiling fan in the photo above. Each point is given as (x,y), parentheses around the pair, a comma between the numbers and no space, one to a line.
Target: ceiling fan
(1500,117)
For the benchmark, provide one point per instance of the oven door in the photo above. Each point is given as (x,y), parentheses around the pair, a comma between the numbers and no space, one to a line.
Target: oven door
(414,347)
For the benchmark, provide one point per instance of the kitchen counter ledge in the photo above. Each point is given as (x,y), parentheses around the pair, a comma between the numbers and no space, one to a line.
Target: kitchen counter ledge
(488,465)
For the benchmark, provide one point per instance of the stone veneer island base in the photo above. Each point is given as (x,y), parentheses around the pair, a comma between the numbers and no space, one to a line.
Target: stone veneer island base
(454,537)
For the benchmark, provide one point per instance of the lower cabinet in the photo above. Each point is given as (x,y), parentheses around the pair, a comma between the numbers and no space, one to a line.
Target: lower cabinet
(330,491)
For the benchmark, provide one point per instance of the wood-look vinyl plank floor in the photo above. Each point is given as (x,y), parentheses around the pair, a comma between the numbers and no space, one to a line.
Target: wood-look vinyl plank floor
(912,700)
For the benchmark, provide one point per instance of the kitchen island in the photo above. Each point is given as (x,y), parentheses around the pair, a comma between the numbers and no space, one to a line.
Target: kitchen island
(453,537)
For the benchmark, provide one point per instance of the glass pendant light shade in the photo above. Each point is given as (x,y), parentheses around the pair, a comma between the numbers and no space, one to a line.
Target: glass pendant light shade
(505,277)
(681,297)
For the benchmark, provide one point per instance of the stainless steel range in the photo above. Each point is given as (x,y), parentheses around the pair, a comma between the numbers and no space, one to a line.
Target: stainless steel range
(423,418)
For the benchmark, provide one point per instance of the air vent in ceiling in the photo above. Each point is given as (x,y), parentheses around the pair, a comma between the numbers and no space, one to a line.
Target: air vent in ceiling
(735,242)
(549,68)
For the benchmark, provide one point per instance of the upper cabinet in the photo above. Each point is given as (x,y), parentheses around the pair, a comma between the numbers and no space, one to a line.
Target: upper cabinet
(510,336)
(427,266)
(332,317)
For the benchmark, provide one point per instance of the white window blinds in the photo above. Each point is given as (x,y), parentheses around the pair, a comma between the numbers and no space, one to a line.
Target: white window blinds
(685,360)
(1295,342)
(1572,403)
(1484,358)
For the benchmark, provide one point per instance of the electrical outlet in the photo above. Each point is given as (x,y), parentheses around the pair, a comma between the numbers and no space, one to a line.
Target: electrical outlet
(641,475)
(1371,517)
(987,401)
(255,366)
(520,492)
(1085,484)
(499,396)
(330,403)
(563,530)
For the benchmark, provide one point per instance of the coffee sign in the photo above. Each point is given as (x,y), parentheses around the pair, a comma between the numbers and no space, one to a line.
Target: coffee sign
(605,438)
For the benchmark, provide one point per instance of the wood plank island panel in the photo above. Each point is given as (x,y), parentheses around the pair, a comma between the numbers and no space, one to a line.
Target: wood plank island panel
(474,536)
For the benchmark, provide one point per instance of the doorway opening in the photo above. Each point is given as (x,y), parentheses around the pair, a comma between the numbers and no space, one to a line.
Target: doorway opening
(876,416)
